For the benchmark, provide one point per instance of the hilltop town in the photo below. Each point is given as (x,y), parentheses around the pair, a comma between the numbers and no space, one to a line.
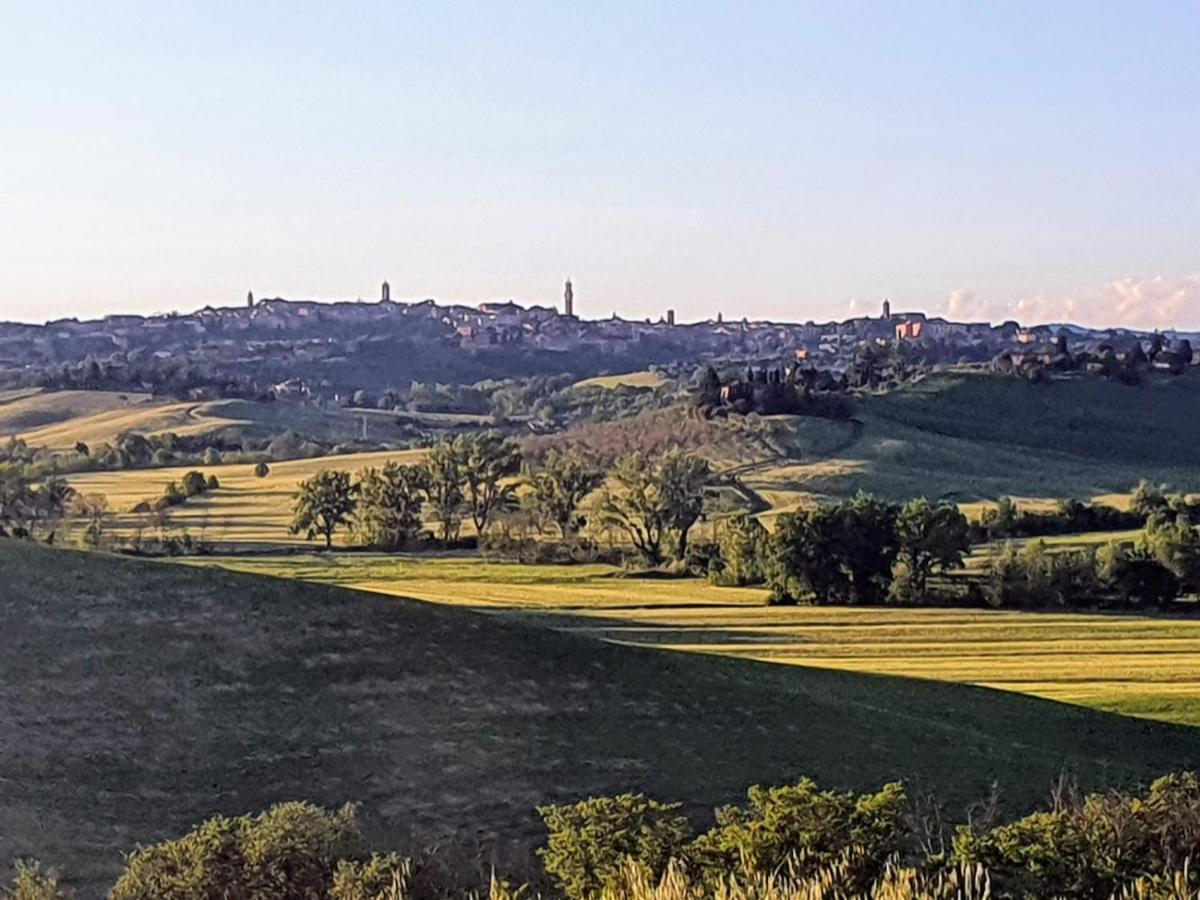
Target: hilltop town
(281,346)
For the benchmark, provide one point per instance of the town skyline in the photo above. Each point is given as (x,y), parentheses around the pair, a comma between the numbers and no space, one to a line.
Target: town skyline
(1147,305)
(565,307)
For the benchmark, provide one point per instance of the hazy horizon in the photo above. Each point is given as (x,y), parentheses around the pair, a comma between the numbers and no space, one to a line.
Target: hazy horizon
(773,161)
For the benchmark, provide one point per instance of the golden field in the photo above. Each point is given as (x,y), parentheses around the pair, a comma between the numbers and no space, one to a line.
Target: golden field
(245,509)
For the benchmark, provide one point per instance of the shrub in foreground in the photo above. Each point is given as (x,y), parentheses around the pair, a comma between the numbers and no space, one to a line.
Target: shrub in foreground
(291,851)
(33,882)
(786,843)
(1094,846)
(591,842)
(807,828)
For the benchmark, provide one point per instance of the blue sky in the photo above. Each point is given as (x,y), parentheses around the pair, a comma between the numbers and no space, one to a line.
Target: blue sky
(777,160)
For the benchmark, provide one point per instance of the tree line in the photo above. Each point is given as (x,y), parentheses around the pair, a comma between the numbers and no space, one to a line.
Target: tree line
(482,478)
(865,551)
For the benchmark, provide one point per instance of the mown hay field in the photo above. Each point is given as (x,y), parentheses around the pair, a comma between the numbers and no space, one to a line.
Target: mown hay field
(1134,665)
(244,510)
(643,379)
(58,419)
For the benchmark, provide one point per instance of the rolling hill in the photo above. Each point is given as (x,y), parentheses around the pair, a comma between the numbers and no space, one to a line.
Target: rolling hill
(58,419)
(969,436)
(138,698)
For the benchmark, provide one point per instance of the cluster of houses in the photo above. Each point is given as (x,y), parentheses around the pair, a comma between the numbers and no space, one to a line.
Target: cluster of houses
(1126,359)
(295,333)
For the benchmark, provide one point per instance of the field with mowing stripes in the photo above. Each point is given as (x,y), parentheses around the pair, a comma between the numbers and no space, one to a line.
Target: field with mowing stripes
(1141,666)
(246,510)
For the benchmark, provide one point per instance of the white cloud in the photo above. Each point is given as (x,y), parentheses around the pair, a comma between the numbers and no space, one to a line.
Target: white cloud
(1130,302)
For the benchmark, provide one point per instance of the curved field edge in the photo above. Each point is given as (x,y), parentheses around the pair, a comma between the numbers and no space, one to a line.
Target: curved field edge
(139,698)
(1134,665)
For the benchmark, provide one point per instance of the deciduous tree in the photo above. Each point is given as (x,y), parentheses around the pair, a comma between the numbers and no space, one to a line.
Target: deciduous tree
(323,504)
(930,537)
(389,505)
(557,489)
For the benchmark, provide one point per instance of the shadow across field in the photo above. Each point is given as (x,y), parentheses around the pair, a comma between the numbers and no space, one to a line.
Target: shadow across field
(137,698)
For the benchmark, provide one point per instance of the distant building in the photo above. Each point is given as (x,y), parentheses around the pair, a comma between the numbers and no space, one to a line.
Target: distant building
(568,299)
(250,299)
(670,317)
(385,293)
(887,309)
(909,330)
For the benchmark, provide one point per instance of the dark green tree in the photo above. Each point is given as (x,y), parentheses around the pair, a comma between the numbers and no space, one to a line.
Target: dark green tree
(930,537)
(323,504)
(838,553)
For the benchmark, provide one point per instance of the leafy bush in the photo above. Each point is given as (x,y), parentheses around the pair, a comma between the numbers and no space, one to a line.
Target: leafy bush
(291,851)
(589,842)
(1093,847)
(805,828)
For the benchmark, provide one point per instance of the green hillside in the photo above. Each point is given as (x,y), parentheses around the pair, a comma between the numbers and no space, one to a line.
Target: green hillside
(974,436)
(139,698)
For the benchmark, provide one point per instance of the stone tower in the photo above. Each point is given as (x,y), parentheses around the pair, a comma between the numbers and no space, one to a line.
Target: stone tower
(250,299)
(568,299)
(670,317)
(887,309)
(385,293)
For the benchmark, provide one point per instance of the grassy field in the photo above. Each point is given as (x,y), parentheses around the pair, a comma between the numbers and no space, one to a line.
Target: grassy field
(971,436)
(139,698)
(1127,664)
(245,510)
